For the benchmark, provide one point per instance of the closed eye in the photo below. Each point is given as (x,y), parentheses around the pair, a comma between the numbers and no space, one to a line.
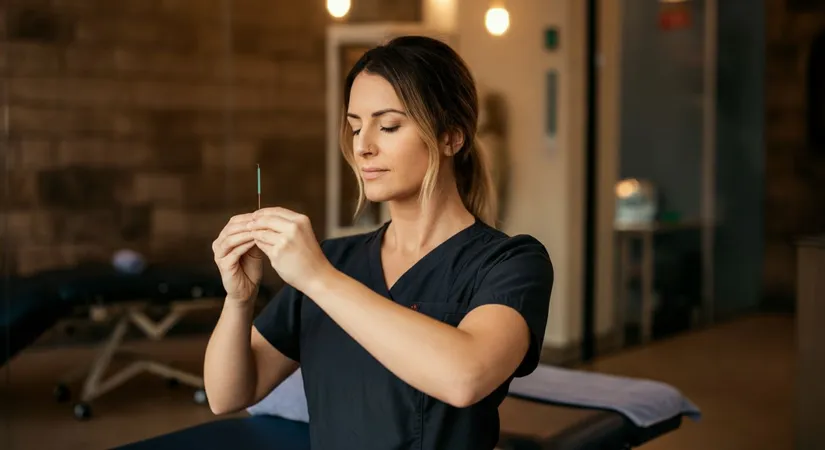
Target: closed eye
(384,129)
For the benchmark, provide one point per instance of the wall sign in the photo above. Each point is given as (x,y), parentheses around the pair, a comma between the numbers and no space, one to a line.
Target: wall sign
(552,99)
(551,38)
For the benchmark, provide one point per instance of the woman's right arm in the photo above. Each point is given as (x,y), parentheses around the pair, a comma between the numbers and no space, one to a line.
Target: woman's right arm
(240,366)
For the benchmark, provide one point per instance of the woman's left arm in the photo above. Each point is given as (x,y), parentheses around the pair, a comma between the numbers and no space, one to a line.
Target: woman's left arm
(456,365)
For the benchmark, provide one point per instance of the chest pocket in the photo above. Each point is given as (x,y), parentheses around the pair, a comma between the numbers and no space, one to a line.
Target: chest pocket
(447,312)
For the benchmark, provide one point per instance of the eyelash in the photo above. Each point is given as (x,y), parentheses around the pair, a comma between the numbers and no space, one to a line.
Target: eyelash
(387,130)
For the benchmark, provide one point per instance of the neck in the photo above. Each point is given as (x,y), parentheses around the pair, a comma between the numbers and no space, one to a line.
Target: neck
(416,229)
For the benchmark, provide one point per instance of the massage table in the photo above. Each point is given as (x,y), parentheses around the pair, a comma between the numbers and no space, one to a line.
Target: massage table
(31,305)
(552,409)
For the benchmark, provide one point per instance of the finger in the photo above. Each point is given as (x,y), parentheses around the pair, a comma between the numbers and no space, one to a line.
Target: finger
(256,252)
(264,247)
(241,218)
(234,228)
(293,216)
(274,223)
(267,237)
(229,229)
(235,225)
(230,243)
(236,253)
(280,212)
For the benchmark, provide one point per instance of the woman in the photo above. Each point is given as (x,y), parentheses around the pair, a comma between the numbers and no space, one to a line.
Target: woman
(407,336)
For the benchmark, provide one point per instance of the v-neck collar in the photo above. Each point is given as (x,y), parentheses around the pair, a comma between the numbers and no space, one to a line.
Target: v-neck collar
(376,263)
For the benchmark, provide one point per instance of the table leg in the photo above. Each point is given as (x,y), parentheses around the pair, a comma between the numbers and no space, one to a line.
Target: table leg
(647,287)
(621,297)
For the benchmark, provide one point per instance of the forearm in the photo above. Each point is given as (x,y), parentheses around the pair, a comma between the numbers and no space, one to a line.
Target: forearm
(433,357)
(230,373)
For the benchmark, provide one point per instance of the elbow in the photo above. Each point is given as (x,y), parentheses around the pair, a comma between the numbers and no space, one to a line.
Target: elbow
(222,406)
(462,399)
(466,389)
(225,411)
(219,409)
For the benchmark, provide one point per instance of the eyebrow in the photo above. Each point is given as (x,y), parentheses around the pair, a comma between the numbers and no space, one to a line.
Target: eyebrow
(378,113)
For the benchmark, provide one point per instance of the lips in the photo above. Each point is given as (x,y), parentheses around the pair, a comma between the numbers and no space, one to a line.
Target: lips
(371,173)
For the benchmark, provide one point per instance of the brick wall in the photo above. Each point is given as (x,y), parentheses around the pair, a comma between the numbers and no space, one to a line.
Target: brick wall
(138,123)
(795,172)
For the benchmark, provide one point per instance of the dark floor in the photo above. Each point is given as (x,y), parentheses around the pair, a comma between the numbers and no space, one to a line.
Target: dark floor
(739,373)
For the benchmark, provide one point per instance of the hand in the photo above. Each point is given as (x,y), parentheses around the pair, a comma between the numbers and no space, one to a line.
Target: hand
(239,260)
(287,239)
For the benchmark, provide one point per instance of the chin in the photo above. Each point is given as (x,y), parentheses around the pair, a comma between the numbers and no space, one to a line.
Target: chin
(382,194)
(378,195)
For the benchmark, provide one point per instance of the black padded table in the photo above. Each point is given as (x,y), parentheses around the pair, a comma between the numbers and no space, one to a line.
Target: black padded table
(525,425)
(30,305)
(28,308)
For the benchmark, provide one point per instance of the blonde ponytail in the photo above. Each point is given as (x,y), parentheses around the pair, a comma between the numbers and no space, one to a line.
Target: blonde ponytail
(475,183)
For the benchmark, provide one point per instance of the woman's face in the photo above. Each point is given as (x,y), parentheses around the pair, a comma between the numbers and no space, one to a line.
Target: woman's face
(391,157)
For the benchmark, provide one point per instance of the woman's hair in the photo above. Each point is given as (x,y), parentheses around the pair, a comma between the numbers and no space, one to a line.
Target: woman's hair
(439,94)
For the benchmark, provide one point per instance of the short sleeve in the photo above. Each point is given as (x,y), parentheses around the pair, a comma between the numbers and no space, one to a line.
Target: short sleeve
(280,322)
(521,277)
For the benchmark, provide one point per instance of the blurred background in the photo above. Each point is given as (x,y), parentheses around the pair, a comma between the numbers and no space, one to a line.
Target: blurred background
(668,154)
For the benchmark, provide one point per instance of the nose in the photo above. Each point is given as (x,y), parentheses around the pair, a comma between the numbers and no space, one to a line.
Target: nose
(364,144)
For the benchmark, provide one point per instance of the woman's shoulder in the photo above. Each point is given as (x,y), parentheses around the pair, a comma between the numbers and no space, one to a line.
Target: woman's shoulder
(498,244)
(497,250)
(342,248)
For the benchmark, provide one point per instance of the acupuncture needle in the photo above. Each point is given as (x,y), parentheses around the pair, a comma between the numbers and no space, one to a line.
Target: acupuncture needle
(259,186)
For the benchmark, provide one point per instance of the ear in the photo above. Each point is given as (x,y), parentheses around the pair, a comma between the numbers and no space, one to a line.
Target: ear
(452,142)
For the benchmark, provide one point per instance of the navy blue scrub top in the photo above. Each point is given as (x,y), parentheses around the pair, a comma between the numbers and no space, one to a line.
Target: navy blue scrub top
(354,401)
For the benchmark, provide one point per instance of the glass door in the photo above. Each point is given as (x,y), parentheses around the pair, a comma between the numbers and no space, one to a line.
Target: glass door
(655,157)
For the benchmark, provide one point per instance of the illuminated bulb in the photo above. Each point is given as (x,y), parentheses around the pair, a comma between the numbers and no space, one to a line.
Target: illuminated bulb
(338,8)
(626,188)
(497,21)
